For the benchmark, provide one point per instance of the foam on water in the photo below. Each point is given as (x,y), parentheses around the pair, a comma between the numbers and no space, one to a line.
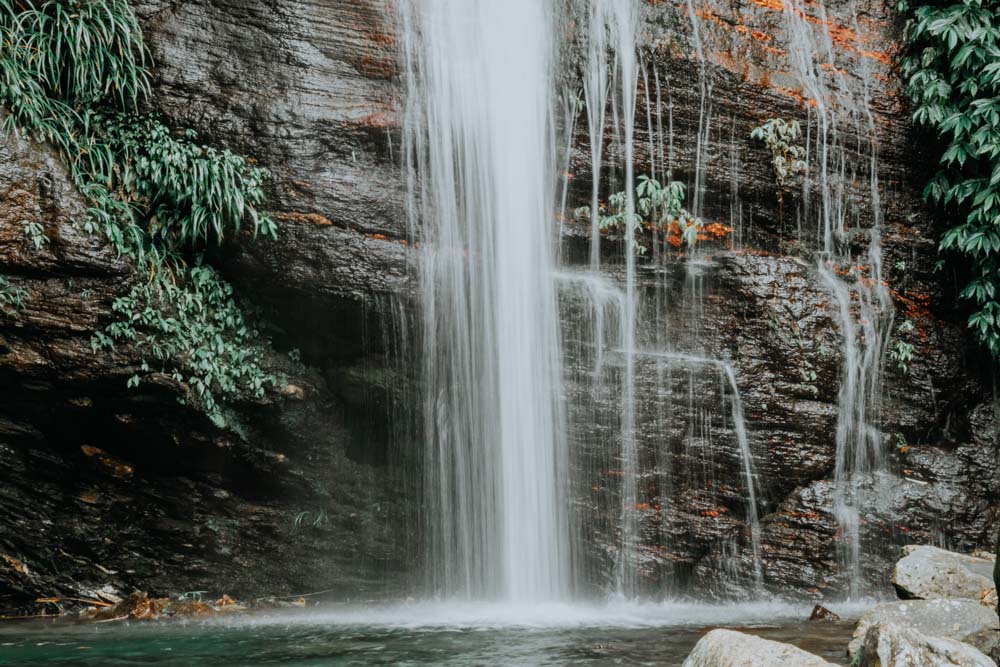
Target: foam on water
(615,613)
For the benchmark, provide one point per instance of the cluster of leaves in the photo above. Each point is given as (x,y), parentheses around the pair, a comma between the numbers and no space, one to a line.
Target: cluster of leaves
(657,206)
(73,73)
(902,350)
(190,194)
(952,72)
(34,234)
(782,137)
(11,297)
(193,332)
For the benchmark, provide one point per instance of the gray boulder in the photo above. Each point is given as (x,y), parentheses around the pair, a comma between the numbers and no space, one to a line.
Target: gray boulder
(728,648)
(929,573)
(893,645)
(963,620)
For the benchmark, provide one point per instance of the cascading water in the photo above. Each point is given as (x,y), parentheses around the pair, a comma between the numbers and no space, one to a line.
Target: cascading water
(863,304)
(479,76)
(508,330)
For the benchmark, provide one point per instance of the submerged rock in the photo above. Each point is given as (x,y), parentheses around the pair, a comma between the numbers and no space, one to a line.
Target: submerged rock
(930,573)
(821,613)
(962,620)
(728,648)
(893,645)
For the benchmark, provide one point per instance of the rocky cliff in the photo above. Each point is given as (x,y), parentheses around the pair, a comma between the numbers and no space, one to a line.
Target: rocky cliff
(112,489)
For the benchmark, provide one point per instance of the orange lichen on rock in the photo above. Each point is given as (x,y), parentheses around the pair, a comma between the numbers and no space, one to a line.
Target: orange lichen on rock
(843,36)
(313,218)
(795,95)
(715,512)
(773,5)
(916,306)
(381,38)
(107,462)
(377,68)
(378,120)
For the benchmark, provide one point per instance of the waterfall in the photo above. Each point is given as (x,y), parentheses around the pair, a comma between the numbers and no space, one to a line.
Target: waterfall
(515,333)
(863,303)
(481,198)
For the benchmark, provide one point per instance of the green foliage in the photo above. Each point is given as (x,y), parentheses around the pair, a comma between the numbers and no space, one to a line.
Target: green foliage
(656,206)
(34,233)
(952,72)
(902,350)
(193,331)
(783,138)
(61,56)
(73,72)
(190,193)
(12,297)
(901,442)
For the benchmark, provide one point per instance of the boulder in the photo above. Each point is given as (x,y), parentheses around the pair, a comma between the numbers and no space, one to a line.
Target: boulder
(929,573)
(963,620)
(893,645)
(728,648)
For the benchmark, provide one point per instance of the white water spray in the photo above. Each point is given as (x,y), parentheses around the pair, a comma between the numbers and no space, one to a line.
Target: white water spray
(478,125)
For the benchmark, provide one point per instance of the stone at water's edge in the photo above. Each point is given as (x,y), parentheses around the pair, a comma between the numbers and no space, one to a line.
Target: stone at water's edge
(728,648)
(892,645)
(963,620)
(929,573)
(821,613)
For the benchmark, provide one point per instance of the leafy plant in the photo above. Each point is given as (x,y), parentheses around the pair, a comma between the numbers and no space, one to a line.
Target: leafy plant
(191,330)
(901,445)
(657,206)
(189,193)
(73,72)
(952,72)
(35,234)
(782,137)
(12,297)
(902,350)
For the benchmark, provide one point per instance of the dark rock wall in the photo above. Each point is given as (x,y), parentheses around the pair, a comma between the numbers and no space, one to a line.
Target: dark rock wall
(764,306)
(127,489)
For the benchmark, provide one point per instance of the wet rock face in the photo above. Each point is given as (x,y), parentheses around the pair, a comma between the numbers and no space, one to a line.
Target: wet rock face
(765,310)
(311,90)
(107,490)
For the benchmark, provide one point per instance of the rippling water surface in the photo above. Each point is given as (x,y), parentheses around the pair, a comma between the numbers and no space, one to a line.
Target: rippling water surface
(423,634)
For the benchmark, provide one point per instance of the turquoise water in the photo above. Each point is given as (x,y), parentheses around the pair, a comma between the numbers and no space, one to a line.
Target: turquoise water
(419,634)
